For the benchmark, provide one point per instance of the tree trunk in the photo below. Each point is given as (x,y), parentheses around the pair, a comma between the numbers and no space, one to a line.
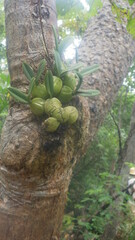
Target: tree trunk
(36,167)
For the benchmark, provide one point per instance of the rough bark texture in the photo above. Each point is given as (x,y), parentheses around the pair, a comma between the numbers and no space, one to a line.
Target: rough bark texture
(107,43)
(36,167)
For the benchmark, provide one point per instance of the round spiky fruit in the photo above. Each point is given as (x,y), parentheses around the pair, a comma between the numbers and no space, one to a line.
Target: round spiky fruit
(51,124)
(69,80)
(73,114)
(61,115)
(65,95)
(57,85)
(51,105)
(40,91)
(37,106)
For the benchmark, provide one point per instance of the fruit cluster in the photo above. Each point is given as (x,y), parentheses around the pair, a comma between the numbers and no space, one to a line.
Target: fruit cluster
(48,92)
(53,108)
(47,98)
(41,102)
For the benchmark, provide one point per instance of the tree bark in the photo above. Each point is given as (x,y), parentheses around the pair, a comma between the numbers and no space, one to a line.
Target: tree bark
(36,167)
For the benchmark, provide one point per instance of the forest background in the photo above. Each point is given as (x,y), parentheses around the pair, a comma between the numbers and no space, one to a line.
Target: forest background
(94,179)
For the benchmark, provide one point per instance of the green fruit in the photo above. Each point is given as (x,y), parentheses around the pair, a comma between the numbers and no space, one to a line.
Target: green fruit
(65,95)
(57,85)
(61,115)
(37,106)
(51,124)
(73,114)
(69,80)
(40,91)
(51,105)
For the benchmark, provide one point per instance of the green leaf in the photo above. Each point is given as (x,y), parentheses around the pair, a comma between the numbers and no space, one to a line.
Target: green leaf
(58,63)
(89,70)
(28,71)
(56,39)
(49,83)
(18,95)
(32,83)
(66,42)
(120,12)
(80,80)
(40,70)
(76,54)
(76,66)
(88,93)
(131,2)
(73,68)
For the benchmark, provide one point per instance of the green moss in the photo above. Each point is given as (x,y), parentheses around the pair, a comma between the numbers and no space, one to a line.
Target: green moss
(131,26)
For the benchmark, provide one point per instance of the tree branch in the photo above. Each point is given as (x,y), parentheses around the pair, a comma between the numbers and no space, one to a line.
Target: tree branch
(119,134)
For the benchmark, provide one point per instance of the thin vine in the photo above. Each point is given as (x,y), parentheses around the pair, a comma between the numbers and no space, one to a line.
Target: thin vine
(47,57)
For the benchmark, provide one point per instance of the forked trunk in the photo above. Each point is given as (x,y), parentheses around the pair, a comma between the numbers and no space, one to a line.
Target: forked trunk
(36,167)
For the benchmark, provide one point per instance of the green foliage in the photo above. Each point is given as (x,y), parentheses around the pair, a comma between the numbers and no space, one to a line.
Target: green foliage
(131,2)
(4,97)
(61,69)
(74,17)
(88,93)
(126,229)
(95,6)
(123,106)
(94,181)
(89,70)
(28,71)
(65,6)
(18,95)
(69,8)
(49,83)
(59,72)
(123,15)
(53,90)
(132,233)
(4,78)
(40,70)
(3,64)
(2,21)
(68,223)
(131,26)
